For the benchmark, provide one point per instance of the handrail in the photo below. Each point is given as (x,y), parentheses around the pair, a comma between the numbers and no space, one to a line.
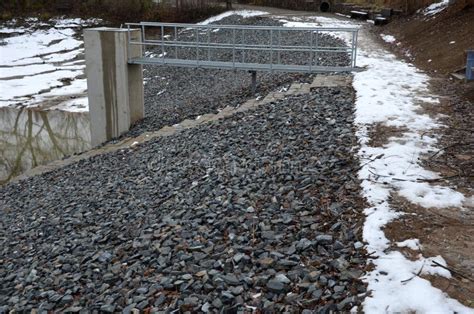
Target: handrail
(245,47)
(254,27)
(201,47)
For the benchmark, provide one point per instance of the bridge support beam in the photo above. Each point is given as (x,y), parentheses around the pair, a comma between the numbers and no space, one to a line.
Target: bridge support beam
(115,88)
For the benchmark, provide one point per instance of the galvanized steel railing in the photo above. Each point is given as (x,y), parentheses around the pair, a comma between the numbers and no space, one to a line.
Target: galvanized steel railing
(239,47)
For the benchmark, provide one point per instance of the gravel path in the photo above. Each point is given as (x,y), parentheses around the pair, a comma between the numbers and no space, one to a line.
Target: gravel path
(255,211)
(174,94)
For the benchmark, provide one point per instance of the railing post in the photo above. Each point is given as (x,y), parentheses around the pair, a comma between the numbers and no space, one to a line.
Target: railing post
(163,44)
(279,45)
(142,34)
(233,47)
(254,82)
(243,46)
(355,47)
(208,44)
(316,47)
(115,87)
(176,42)
(197,46)
(271,50)
(311,51)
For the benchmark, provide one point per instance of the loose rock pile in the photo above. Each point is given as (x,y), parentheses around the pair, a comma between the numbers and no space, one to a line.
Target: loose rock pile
(174,94)
(259,210)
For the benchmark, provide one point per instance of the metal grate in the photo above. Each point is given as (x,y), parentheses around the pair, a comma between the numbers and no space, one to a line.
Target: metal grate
(253,48)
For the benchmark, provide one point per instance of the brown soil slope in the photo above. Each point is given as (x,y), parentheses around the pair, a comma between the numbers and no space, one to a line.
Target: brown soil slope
(429,37)
(446,232)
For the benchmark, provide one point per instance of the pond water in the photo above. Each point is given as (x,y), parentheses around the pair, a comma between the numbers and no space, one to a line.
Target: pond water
(30,137)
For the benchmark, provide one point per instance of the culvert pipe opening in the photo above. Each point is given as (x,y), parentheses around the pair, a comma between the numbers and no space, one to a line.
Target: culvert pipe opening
(324,7)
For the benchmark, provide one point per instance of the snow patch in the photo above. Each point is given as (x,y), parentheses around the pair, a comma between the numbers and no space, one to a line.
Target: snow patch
(242,13)
(397,287)
(6,30)
(76,22)
(32,47)
(387,93)
(320,21)
(388,38)
(413,244)
(80,104)
(324,22)
(435,8)
(19,90)
(39,63)
(343,15)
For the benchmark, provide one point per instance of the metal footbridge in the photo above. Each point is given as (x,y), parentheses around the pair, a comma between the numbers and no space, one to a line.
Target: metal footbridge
(242,47)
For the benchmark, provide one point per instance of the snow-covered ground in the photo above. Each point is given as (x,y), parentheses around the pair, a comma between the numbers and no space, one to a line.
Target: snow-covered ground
(388,38)
(434,8)
(389,91)
(42,63)
(243,13)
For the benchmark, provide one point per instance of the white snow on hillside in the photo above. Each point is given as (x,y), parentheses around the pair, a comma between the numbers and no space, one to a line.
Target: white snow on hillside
(434,8)
(243,13)
(388,38)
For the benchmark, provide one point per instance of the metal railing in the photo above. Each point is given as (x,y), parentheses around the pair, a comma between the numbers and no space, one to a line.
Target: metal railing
(253,48)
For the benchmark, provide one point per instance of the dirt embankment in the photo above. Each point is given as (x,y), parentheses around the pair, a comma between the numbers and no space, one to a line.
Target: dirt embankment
(437,43)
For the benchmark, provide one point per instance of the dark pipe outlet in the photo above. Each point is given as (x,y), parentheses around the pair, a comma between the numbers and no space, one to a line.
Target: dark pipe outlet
(324,7)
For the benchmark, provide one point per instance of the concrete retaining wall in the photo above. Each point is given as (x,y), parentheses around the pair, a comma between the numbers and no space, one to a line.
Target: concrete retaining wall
(115,88)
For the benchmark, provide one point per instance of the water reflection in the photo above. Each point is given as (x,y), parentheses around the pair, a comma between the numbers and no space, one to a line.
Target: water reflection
(29,138)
